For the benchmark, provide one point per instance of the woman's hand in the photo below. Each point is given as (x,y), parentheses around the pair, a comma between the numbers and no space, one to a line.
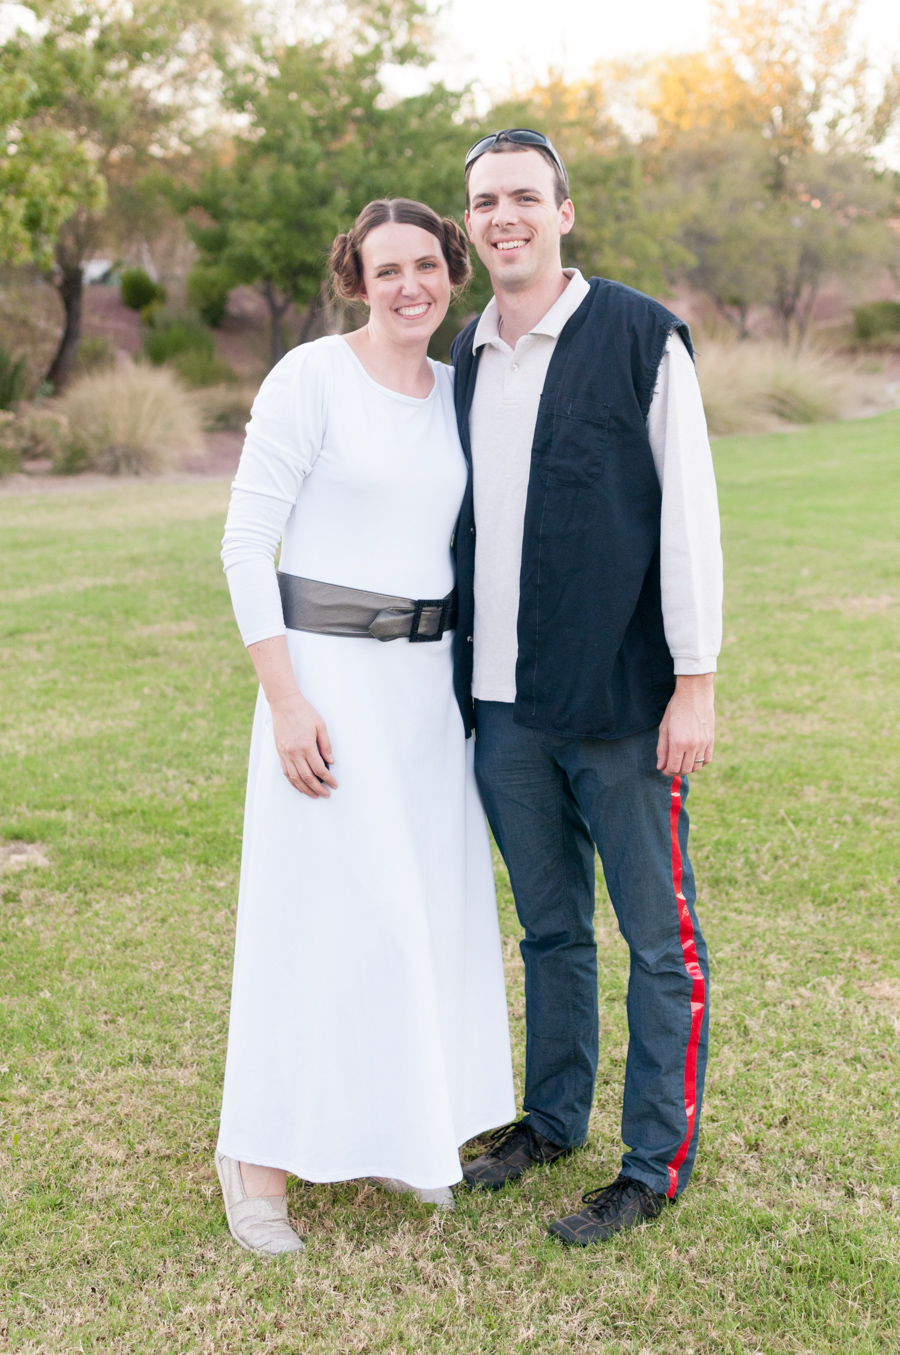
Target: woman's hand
(300,735)
(303,746)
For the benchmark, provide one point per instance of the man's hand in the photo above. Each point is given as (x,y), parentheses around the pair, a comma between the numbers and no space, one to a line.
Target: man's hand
(687,731)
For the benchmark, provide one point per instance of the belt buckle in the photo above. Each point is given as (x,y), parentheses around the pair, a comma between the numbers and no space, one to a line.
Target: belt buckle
(415,637)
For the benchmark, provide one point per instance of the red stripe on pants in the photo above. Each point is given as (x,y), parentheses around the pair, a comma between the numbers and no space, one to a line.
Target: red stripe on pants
(698,992)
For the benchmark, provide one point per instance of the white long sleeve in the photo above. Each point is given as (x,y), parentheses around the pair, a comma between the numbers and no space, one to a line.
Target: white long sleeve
(690,549)
(252,533)
(284,436)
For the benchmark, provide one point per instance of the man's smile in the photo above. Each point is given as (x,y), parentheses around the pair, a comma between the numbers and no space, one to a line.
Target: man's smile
(508,244)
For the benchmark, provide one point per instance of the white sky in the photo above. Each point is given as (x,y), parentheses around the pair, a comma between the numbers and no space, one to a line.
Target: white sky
(497,42)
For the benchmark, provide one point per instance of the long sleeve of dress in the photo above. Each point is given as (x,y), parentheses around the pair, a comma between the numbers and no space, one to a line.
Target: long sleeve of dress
(690,550)
(284,435)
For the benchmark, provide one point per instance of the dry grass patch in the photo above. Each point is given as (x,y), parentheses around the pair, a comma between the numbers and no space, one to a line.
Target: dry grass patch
(22,855)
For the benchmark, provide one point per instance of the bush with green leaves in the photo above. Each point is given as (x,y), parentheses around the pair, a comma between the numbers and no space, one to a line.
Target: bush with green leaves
(207,291)
(199,368)
(877,319)
(172,334)
(13,376)
(138,290)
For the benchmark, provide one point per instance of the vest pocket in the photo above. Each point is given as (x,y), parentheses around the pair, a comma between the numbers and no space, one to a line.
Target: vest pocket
(578,446)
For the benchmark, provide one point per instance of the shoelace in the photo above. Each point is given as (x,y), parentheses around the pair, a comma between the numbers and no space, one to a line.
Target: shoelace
(506,1136)
(612,1193)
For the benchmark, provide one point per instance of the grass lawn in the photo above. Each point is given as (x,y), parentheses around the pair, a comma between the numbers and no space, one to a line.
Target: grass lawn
(124,724)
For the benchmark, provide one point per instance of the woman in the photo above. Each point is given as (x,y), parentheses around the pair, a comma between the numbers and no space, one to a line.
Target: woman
(368,1033)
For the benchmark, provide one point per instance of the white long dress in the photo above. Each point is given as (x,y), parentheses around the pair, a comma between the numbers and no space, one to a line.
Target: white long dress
(368,1032)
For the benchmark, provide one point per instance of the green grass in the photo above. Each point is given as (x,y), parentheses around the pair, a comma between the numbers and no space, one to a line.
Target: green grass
(124,723)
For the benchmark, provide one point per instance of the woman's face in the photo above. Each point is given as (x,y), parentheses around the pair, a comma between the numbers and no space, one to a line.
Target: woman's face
(406,282)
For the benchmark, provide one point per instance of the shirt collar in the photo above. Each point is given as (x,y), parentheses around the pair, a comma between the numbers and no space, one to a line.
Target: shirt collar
(488,328)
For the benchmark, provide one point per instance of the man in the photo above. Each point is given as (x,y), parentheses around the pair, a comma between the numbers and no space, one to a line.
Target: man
(589,576)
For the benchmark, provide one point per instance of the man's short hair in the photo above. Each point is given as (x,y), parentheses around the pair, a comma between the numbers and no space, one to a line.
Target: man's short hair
(560,183)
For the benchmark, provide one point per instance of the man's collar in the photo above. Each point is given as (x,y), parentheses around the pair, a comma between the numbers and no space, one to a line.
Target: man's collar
(562,310)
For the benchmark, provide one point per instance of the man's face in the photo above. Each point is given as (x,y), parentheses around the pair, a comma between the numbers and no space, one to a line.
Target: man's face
(513,220)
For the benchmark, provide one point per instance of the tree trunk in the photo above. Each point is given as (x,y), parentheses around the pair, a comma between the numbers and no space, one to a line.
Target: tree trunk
(277,308)
(725,309)
(312,314)
(69,282)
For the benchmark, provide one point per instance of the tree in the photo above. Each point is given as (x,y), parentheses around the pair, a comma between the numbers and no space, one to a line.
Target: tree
(118,84)
(45,173)
(322,140)
(764,148)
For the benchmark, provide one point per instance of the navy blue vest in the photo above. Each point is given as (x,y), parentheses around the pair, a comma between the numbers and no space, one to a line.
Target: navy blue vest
(593,660)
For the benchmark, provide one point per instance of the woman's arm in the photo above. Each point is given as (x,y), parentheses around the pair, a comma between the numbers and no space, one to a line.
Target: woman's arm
(283,438)
(301,738)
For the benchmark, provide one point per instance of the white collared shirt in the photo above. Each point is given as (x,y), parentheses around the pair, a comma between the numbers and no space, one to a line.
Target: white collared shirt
(504,412)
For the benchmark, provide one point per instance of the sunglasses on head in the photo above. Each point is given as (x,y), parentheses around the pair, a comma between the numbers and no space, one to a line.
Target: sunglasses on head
(522,136)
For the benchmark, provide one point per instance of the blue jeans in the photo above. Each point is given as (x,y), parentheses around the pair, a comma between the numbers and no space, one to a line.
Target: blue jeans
(549,800)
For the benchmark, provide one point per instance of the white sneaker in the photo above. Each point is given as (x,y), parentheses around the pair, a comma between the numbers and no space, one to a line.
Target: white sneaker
(257,1223)
(441,1197)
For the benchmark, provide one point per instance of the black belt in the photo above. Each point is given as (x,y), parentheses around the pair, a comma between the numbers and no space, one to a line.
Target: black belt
(330,609)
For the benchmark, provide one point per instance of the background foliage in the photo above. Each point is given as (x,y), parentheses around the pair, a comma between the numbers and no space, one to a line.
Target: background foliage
(751,171)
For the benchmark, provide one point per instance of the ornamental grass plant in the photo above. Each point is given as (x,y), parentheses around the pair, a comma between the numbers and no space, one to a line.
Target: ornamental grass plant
(135,420)
(226,408)
(756,387)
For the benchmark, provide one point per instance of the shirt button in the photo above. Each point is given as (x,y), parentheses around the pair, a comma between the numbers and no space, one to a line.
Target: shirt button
(514,367)
(468,639)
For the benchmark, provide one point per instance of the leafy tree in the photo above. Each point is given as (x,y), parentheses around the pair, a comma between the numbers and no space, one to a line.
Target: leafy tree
(785,68)
(764,149)
(322,140)
(119,85)
(45,173)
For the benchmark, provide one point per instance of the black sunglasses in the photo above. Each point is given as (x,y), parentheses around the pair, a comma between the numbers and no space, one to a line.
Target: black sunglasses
(522,136)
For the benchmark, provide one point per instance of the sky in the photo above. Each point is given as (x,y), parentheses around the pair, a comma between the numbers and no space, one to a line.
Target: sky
(501,42)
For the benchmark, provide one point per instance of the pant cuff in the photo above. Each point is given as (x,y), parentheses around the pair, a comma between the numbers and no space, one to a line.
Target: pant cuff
(657,1183)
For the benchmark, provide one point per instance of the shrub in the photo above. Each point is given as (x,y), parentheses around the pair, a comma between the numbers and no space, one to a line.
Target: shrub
(10,455)
(137,289)
(171,335)
(752,387)
(13,376)
(135,419)
(95,354)
(35,433)
(876,319)
(226,408)
(202,369)
(207,291)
